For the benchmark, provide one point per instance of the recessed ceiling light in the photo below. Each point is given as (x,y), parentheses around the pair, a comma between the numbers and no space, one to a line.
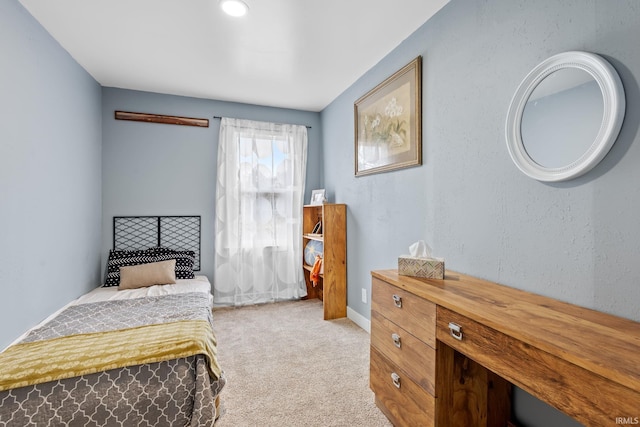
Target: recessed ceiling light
(234,7)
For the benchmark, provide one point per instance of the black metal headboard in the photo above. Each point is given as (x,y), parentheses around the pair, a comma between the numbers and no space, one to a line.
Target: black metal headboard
(142,232)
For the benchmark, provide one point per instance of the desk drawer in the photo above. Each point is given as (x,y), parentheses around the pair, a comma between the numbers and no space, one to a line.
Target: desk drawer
(404,402)
(473,339)
(407,352)
(414,314)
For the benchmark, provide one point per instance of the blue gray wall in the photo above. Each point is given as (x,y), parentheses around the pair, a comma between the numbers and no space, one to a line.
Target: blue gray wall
(158,169)
(577,241)
(50,202)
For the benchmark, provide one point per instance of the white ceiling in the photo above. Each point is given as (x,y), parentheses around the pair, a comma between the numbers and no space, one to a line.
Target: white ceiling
(297,54)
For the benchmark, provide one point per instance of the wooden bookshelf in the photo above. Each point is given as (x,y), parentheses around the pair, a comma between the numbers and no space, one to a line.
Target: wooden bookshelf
(332,287)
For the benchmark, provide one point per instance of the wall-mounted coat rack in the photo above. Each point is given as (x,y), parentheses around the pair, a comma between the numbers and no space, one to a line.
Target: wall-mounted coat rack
(158,118)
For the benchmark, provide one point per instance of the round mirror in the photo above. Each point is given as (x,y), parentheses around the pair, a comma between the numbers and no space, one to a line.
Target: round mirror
(565,116)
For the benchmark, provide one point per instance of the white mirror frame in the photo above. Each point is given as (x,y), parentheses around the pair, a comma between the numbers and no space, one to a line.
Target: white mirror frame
(614,109)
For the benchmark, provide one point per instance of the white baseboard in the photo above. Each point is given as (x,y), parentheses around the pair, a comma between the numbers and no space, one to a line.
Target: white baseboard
(359,319)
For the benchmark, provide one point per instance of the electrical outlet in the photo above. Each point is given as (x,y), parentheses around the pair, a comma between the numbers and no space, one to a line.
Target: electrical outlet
(364,295)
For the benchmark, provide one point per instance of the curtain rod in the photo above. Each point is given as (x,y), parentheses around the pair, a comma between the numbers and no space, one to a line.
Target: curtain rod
(307,126)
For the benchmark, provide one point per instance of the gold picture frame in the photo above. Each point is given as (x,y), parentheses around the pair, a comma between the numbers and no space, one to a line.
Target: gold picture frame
(388,123)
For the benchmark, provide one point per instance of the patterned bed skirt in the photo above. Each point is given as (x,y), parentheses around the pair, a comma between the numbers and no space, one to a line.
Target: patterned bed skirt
(177,392)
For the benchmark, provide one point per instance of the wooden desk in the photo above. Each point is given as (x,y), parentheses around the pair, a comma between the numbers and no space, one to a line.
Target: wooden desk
(583,362)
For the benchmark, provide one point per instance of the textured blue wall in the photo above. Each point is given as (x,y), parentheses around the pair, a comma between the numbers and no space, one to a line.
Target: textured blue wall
(577,241)
(50,202)
(158,169)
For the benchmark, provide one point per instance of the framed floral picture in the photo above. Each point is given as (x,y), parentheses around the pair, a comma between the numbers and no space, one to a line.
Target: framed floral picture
(388,123)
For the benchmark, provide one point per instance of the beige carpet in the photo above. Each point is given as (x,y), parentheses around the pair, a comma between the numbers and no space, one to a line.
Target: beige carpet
(285,366)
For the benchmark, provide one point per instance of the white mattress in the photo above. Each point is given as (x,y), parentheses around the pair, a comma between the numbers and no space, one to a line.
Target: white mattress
(197,284)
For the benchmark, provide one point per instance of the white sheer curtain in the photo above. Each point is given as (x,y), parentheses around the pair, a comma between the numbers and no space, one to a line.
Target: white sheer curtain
(259,197)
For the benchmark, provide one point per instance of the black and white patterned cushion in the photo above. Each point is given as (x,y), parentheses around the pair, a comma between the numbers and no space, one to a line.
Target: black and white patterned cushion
(120,258)
(184,260)
(123,258)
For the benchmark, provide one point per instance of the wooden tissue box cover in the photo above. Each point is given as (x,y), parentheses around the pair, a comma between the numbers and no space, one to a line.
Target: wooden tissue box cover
(430,268)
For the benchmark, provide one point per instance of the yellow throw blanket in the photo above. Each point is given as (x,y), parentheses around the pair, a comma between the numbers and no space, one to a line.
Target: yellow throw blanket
(71,356)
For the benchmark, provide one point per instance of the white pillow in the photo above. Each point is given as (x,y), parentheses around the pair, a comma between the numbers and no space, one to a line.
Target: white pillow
(143,275)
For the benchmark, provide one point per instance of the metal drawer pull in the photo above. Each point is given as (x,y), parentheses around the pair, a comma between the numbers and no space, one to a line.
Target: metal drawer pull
(456,331)
(396,379)
(396,340)
(397,300)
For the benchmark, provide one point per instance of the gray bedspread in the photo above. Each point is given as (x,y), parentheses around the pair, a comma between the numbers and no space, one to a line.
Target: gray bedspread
(121,314)
(177,392)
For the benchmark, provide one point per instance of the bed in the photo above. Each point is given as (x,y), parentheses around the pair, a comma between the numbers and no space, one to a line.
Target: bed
(131,352)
